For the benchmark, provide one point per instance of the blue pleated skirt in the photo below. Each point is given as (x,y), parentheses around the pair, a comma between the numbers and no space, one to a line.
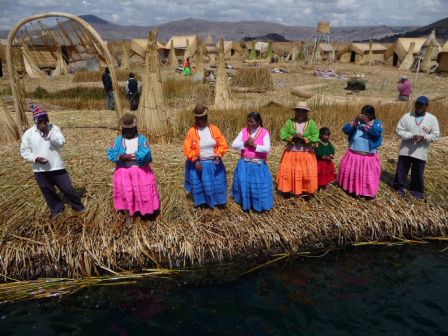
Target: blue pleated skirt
(253,186)
(208,186)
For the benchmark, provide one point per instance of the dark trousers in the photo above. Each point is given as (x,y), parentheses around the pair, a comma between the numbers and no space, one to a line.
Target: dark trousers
(47,182)
(417,167)
(133,101)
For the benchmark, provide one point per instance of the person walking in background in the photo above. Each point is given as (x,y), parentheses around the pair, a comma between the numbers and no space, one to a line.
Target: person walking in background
(253,186)
(360,167)
(325,155)
(298,167)
(135,186)
(133,90)
(205,174)
(108,87)
(404,88)
(416,130)
(41,145)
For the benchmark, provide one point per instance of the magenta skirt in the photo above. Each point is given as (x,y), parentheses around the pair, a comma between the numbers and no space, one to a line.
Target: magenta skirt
(135,190)
(359,174)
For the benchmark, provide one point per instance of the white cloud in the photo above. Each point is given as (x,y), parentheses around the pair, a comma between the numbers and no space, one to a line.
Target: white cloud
(290,12)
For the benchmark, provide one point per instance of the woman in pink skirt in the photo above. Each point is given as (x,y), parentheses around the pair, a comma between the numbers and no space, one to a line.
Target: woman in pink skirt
(135,186)
(360,167)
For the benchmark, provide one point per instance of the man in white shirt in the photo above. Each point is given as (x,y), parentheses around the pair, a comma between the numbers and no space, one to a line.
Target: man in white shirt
(41,145)
(416,130)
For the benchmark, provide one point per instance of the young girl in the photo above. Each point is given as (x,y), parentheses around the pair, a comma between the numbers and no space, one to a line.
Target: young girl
(135,186)
(252,183)
(205,174)
(325,156)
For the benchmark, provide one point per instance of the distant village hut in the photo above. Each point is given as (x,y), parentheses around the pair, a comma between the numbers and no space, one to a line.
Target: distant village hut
(442,58)
(184,46)
(358,53)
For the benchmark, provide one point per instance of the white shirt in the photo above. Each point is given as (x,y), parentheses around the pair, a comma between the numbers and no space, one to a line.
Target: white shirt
(35,145)
(131,145)
(408,126)
(238,143)
(207,144)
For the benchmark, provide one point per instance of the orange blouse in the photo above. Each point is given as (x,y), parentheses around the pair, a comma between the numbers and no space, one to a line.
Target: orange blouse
(192,143)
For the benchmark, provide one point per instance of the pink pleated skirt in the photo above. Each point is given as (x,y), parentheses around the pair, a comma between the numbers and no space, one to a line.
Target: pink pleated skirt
(135,190)
(359,174)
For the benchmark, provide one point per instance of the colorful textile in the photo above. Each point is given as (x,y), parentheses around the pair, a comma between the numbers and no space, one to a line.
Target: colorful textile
(143,154)
(192,143)
(208,186)
(253,186)
(405,88)
(297,173)
(360,142)
(186,71)
(37,112)
(251,152)
(325,172)
(135,190)
(324,149)
(360,174)
(311,132)
(373,129)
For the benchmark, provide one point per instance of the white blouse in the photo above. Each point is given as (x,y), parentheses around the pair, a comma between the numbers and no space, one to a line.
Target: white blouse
(131,145)
(207,144)
(238,143)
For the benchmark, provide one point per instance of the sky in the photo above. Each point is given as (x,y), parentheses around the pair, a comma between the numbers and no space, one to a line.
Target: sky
(288,12)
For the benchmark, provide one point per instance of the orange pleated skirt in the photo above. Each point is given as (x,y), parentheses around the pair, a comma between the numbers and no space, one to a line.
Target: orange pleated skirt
(297,173)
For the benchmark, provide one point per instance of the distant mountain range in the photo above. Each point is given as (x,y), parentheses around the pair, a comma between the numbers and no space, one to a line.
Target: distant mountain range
(236,30)
(440,26)
(248,30)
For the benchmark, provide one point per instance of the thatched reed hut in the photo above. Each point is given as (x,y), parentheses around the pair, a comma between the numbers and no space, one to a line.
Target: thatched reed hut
(232,50)
(184,45)
(324,52)
(138,48)
(442,58)
(359,53)
(410,48)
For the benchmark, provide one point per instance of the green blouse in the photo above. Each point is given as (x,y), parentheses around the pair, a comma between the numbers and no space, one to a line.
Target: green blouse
(310,132)
(324,149)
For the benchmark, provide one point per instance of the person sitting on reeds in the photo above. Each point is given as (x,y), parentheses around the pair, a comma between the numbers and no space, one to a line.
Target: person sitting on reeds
(135,186)
(205,174)
(253,186)
(416,131)
(186,70)
(360,167)
(325,155)
(41,145)
(298,168)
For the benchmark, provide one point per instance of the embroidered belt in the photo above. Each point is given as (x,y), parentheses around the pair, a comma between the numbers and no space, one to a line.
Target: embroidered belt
(361,153)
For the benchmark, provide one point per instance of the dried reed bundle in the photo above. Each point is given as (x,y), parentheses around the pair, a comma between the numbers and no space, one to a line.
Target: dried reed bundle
(152,114)
(8,128)
(223,95)
(255,78)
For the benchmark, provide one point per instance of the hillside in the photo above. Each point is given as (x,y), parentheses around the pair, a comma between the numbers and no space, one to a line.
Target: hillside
(234,30)
(440,26)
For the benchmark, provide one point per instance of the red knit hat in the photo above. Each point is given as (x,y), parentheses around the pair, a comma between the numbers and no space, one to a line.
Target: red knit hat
(38,112)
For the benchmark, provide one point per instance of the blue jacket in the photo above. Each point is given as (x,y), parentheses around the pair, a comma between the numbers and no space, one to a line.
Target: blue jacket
(143,154)
(374,132)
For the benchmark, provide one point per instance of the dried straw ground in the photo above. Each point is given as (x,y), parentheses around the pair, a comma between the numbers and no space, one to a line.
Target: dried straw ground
(94,243)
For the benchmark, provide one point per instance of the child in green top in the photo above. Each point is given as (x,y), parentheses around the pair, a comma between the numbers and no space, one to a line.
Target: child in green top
(325,155)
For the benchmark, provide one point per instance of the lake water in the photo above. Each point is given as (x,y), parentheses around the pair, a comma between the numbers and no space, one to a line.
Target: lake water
(361,291)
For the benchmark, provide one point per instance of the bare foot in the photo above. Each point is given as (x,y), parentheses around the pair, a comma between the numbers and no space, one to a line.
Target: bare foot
(128,222)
